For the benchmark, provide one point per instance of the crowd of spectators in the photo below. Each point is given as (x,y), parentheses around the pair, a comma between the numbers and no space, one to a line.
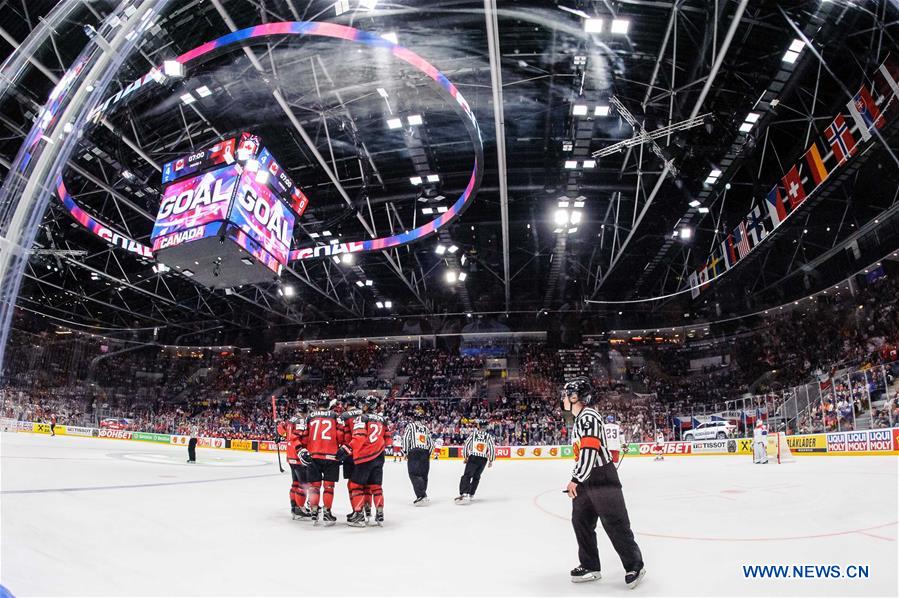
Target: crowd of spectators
(227,393)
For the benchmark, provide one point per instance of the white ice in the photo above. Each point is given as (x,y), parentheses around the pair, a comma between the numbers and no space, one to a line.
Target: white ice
(103,517)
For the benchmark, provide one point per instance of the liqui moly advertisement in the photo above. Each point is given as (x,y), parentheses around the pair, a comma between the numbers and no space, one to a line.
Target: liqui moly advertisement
(259,213)
(196,201)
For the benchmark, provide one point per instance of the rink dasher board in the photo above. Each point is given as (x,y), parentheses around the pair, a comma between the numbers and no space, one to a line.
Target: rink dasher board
(834,444)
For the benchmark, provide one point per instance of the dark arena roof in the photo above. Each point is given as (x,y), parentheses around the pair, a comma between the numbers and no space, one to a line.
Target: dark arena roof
(639,143)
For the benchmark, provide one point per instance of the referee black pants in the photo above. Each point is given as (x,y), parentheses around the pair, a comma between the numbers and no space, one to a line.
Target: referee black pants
(192,450)
(472,475)
(419,461)
(600,498)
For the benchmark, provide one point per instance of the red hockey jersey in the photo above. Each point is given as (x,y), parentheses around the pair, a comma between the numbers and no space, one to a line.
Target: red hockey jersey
(371,436)
(323,435)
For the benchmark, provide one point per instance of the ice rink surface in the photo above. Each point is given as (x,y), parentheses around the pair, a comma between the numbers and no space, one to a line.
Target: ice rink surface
(107,517)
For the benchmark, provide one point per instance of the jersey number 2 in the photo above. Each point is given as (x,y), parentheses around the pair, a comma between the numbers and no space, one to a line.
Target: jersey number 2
(375,432)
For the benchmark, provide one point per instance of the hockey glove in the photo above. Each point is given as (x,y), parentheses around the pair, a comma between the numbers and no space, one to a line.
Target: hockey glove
(343,452)
(305,457)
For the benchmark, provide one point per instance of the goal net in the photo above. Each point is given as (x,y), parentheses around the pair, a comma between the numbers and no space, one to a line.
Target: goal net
(778,450)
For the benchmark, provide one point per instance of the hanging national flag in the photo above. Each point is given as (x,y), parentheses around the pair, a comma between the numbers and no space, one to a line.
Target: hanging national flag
(864,112)
(715,266)
(703,276)
(776,208)
(840,139)
(868,109)
(757,230)
(728,252)
(693,281)
(741,240)
(815,164)
(793,186)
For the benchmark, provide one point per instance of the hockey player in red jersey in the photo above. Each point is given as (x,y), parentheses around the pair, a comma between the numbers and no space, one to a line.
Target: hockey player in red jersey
(371,436)
(321,455)
(295,431)
(352,408)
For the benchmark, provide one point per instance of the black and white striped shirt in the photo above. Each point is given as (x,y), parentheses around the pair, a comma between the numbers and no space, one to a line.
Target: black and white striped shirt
(479,444)
(417,436)
(589,435)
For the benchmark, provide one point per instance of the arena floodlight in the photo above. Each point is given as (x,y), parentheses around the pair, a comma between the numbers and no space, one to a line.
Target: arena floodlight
(388,304)
(451,276)
(797,45)
(382,92)
(563,203)
(433,178)
(440,249)
(203,91)
(790,56)
(173,69)
(462,276)
(745,127)
(571,231)
(601,110)
(579,109)
(348,258)
(188,99)
(391,37)
(368,283)
(427,211)
(593,25)
(441,209)
(620,26)
(570,164)
(336,259)
(380,304)
(463,259)
(752,117)
(695,203)
(187,272)
(703,210)
(686,233)
(415,120)
(589,163)
(326,233)
(289,290)
(575,217)
(579,204)
(394,123)
(415,180)
(561,217)
(453,248)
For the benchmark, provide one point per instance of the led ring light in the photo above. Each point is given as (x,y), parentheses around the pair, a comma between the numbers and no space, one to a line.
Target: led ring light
(296,28)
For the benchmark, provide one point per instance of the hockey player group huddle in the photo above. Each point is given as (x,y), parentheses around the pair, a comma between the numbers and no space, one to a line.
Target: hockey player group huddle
(320,441)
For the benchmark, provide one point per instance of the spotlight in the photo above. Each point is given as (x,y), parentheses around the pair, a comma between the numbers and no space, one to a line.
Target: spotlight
(593,25)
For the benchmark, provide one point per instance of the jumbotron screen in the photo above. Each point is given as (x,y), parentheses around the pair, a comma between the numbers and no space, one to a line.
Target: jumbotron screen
(195,202)
(258,212)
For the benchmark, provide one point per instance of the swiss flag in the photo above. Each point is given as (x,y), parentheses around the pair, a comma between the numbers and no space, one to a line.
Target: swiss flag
(793,186)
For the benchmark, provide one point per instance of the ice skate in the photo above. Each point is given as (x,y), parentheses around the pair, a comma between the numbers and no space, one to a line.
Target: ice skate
(356,519)
(633,578)
(421,502)
(379,518)
(327,518)
(313,515)
(582,574)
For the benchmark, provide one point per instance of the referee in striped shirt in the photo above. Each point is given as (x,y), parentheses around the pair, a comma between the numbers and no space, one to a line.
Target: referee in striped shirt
(596,491)
(479,451)
(418,446)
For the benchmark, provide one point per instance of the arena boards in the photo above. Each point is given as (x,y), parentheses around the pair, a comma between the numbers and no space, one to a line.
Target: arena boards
(881,442)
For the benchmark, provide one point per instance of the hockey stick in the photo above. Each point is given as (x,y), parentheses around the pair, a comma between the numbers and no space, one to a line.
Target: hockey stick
(277,436)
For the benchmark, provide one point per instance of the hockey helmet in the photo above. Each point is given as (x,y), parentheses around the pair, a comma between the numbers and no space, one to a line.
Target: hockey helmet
(579,386)
(370,402)
(610,419)
(324,401)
